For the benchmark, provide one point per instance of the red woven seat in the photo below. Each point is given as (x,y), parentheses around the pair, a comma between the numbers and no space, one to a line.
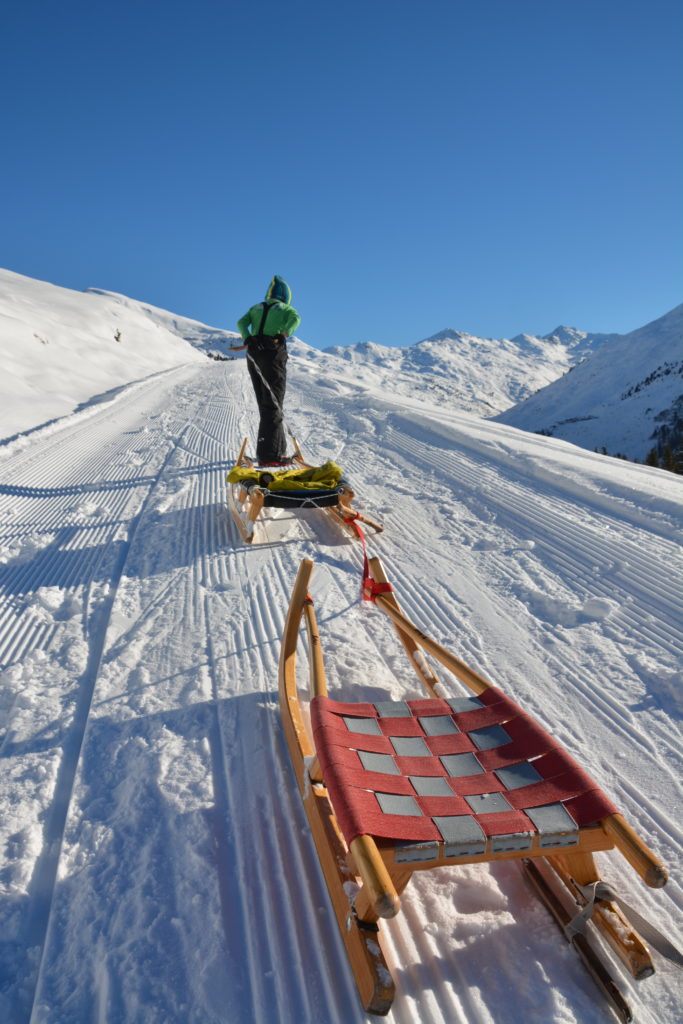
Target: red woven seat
(391,788)
(459,772)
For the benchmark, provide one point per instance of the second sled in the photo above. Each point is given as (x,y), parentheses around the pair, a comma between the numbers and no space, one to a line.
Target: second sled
(253,488)
(395,787)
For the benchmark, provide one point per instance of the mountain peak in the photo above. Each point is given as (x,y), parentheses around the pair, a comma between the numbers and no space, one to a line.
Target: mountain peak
(566,335)
(448,334)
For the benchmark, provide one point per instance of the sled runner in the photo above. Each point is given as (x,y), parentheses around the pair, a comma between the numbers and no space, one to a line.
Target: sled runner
(298,485)
(394,787)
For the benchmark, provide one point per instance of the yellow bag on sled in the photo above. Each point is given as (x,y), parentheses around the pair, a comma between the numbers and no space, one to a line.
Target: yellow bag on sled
(316,478)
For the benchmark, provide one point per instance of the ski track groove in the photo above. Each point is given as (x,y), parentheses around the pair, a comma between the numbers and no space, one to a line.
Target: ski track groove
(46,871)
(524,511)
(266,631)
(663,638)
(36,920)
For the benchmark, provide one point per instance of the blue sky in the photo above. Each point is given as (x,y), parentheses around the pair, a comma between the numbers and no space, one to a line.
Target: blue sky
(494,167)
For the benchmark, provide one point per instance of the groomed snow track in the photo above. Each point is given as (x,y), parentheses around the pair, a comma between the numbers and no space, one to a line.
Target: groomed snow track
(156,862)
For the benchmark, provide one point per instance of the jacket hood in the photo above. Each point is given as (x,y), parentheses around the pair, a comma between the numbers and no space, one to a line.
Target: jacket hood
(279,290)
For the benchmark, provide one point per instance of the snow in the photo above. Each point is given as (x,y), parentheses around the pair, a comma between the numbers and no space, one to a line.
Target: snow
(155,859)
(618,396)
(62,348)
(480,375)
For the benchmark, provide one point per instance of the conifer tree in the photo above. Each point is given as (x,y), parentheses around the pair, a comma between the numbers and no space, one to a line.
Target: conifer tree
(668,459)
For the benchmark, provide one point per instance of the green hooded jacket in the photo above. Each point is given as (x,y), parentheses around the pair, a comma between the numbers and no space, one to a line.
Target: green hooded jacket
(282,317)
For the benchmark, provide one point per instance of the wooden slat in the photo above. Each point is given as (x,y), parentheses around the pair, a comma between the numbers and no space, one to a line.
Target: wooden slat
(373,979)
(591,840)
(636,852)
(412,649)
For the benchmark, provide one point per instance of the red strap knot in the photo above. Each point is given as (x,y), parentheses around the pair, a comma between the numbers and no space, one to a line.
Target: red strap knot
(371,589)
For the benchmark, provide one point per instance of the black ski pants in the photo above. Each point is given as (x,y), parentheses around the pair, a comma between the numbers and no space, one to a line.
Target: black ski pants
(267,362)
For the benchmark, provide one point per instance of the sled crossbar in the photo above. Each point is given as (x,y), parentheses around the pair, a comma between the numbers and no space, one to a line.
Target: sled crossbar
(394,787)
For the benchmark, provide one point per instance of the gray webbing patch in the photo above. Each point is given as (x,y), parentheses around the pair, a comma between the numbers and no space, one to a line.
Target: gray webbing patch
(382,763)
(461,765)
(410,746)
(394,803)
(515,841)
(428,785)
(460,704)
(392,709)
(438,725)
(488,803)
(555,825)
(410,853)
(517,775)
(463,836)
(489,737)
(368,726)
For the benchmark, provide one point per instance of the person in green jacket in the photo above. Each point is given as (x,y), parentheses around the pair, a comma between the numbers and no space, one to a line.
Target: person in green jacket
(264,329)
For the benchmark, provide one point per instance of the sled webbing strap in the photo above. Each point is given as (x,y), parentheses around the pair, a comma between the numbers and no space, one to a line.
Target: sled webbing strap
(369,587)
(595,892)
(473,772)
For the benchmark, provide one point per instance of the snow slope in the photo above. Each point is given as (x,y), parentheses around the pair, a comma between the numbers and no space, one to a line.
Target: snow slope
(156,863)
(213,340)
(619,396)
(61,348)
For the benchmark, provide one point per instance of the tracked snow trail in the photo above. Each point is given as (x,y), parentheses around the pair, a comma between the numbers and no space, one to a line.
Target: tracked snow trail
(157,862)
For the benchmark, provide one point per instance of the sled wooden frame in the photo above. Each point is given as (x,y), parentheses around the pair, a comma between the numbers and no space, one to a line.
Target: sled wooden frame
(246,506)
(372,864)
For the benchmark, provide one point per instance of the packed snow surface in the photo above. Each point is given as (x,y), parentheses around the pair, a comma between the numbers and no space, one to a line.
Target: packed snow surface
(155,861)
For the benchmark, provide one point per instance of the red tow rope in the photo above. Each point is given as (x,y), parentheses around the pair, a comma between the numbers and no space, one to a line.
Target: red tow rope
(369,587)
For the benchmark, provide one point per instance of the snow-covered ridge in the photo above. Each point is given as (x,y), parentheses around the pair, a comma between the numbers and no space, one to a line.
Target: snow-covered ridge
(478,375)
(626,396)
(64,349)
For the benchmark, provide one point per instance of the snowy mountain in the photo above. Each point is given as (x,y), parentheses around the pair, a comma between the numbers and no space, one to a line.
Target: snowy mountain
(155,860)
(61,348)
(478,375)
(209,340)
(626,396)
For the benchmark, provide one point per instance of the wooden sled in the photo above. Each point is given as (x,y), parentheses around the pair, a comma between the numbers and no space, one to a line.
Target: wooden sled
(247,503)
(401,786)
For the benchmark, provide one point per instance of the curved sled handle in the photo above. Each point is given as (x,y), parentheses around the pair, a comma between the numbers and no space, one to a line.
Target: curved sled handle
(240,457)
(318,679)
(287,672)
(378,896)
